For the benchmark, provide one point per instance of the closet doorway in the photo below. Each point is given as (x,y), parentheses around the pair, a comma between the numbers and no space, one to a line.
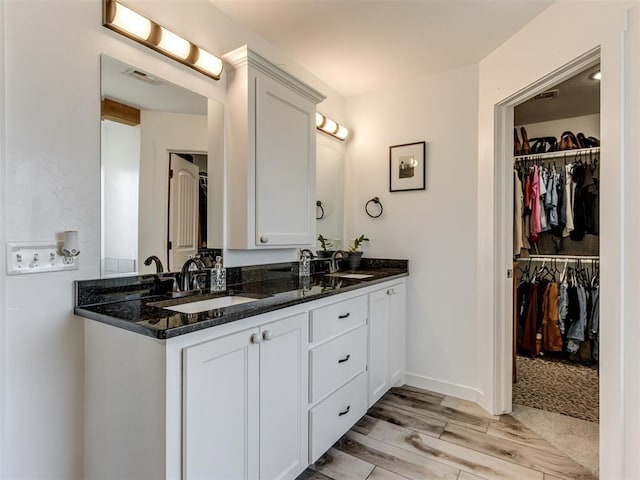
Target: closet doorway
(549,350)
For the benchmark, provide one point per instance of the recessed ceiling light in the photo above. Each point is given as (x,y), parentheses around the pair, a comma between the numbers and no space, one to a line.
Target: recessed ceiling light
(596,75)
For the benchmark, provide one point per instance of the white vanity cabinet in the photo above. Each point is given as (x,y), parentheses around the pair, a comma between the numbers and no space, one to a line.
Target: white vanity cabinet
(258,398)
(271,155)
(244,403)
(387,339)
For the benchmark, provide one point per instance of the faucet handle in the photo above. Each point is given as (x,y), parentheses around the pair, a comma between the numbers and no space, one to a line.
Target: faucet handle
(305,252)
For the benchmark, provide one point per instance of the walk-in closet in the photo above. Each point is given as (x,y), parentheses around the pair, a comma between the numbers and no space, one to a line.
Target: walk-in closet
(556,231)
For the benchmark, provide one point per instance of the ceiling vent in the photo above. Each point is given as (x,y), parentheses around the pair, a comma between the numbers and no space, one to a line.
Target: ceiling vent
(143,77)
(548,95)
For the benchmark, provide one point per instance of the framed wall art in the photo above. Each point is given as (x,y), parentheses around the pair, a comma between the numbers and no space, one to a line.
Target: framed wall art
(407,167)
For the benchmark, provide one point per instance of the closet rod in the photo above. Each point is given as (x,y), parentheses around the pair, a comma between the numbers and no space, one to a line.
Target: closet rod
(559,154)
(541,258)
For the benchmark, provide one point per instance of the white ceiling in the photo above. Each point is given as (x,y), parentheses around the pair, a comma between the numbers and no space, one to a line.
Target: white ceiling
(357,46)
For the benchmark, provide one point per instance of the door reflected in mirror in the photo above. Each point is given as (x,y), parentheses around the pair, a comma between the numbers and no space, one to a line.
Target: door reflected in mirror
(155,171)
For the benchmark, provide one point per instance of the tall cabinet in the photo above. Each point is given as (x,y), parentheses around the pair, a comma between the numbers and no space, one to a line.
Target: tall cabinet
(270,170)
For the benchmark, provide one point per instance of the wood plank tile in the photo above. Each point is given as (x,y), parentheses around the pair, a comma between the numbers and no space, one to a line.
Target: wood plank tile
(454,455)
(413,421)
(469,476)
(382,474)
(310,474)
(542,461)
(364,425)
(467,407)
(416,406)
(550,477)
(342,466)
(516,432)
(425,395)
(395,459)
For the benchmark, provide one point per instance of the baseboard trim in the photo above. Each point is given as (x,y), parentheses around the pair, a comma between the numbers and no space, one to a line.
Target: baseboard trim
(446,388)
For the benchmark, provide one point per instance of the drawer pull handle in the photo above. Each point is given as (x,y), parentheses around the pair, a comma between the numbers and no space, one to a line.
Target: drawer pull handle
(342,360)
(344,315)
(345,411)
(256,338)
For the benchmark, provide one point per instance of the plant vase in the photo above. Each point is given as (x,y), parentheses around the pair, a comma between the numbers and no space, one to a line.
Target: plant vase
(324,253)
(353,260)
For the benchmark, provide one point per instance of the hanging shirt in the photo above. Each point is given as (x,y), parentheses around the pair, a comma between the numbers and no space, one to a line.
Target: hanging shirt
(575,335)
(520,241)
(542,182)
(563,305)
(535,205)
(568,201)
(551,198)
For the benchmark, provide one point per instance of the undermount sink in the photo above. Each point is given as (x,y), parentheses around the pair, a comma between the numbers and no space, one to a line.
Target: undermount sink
(357,276)
(211,304)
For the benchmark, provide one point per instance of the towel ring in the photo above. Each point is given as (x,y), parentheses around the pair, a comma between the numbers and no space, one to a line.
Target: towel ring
(376,201)
(319,205)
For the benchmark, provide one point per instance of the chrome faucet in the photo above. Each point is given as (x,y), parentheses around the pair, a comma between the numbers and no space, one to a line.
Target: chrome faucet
(158,262)
(333,264)
(185,275)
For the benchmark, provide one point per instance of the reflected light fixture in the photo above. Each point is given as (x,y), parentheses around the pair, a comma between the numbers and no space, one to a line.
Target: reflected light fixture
(326,125)
(596,75)
(121,19)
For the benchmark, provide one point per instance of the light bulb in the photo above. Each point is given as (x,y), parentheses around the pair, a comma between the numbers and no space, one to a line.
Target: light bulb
(208,62)
(319,120)
(131,22)
(342,132)
(174,44)
(329,126)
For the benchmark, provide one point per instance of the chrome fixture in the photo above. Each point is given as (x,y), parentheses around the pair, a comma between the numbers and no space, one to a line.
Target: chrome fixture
(333,264)
(185,275)
(158,262)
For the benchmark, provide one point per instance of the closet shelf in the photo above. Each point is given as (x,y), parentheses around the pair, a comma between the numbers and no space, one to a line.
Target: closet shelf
(559,154)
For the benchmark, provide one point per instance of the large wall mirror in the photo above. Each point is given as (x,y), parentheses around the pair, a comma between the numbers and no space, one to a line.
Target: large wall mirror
(157,169)
(330,189)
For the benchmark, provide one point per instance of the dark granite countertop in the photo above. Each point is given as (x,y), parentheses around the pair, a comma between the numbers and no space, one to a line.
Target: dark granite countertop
(132,304)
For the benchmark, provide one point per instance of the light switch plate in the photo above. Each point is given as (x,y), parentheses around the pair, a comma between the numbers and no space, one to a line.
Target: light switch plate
(37,257)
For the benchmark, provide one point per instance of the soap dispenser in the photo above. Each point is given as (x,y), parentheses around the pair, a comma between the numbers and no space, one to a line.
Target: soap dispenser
(304,267)
(218,276)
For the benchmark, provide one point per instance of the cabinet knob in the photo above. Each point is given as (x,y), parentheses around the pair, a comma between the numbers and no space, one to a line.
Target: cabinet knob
(345,411)
(267,335)
(391,291)
(256,338)
(264,239)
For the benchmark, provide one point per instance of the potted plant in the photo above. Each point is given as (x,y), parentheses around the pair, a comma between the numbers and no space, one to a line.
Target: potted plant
(355,256)
(326,245)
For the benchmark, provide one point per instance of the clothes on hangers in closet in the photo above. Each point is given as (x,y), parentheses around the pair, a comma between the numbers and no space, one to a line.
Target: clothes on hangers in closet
(558,312)
(562,200)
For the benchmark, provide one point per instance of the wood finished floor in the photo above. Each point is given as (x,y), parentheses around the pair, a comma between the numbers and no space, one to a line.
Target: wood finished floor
(415,434)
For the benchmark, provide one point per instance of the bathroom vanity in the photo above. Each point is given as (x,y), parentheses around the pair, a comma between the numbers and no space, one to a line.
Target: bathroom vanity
(257,389)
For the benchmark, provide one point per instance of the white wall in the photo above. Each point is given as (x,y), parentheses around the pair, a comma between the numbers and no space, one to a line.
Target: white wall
(503,74)
(120,155)
(162,132)
(435,229)
(51,65)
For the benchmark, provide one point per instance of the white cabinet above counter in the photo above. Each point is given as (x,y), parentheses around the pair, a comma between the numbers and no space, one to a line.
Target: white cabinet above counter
(271,143)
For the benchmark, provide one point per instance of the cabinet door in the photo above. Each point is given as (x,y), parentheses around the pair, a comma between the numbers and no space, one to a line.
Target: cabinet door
(283,398)
(284,166)
(378,345)
(397,333)
(220,408)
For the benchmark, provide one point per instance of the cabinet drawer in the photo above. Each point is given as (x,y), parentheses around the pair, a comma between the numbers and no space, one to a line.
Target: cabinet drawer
(329,420)
(335,362)
(338,317)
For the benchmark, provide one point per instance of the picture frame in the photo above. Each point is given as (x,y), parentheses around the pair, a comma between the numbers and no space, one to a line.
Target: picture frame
(407,167)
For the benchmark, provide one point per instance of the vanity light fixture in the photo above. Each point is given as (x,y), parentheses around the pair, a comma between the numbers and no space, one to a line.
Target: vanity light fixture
(596,75)
(326,125)
(121,19)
